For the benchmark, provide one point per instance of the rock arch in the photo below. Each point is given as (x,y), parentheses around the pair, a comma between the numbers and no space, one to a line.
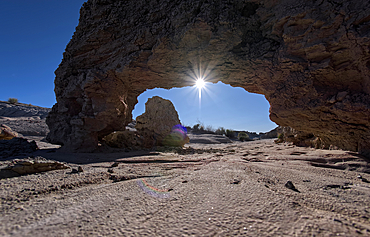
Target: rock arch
(310,59)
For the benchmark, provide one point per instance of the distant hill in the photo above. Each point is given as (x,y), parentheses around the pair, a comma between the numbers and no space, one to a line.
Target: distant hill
(27,120)
(22,110)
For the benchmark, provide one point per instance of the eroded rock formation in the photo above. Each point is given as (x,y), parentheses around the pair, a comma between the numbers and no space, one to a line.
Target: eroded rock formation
(160,124)
(309,58)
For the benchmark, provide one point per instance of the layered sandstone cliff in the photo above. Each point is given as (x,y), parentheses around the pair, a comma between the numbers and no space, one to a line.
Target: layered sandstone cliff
(309,58)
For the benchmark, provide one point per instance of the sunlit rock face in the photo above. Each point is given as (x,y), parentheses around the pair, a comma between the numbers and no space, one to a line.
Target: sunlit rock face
(309,58)
(160,124)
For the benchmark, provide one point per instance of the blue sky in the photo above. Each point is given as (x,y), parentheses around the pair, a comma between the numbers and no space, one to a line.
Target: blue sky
(34,34)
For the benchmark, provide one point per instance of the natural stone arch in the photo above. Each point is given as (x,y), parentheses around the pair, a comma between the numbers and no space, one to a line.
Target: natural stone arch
(310,59)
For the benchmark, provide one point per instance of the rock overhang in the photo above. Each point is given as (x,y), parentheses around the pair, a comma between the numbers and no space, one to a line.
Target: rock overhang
(300,55)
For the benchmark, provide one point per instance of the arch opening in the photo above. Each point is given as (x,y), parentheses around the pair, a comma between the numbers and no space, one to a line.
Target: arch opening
(221,105)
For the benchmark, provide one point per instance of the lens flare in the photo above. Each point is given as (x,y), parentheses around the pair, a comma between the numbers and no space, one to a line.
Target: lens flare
(177,137)
(152,191)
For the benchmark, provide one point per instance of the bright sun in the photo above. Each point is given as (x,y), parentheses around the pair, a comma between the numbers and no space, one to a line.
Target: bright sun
(200,83)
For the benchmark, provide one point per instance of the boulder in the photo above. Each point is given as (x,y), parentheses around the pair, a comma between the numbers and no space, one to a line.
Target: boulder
(160,124)
(6,133)
(310,59)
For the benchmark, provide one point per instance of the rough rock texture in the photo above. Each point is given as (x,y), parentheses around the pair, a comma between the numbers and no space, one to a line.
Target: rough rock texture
(158,124)
(124,139)
(16,146)
(23,167)
(28,120)
(6,133)
(274,133)
(298,138)
(26,126)
(309,58)
(22,110)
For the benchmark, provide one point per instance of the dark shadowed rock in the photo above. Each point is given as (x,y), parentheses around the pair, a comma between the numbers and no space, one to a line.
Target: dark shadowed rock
(291,186)
(123,139)
(16,146)
(310,59)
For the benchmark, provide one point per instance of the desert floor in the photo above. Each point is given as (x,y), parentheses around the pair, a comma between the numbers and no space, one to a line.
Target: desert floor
(229,189)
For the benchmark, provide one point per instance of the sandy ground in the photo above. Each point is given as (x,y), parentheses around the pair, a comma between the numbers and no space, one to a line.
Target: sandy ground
(234,189)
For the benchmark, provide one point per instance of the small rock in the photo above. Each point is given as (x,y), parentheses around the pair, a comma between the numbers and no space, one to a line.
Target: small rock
(80,169)
(291,186)
(110,171)
(341,95)
(115,164)
(235,181)
(333,100)
(74,171)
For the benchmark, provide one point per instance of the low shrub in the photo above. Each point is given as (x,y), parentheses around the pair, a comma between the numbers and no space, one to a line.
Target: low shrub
(230,133)
(242,136)
(13,100)
(200,128)
(220,131)
(281,136)
(209,129)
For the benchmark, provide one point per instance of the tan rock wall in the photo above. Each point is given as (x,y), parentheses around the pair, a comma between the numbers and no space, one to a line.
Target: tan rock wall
(309,58)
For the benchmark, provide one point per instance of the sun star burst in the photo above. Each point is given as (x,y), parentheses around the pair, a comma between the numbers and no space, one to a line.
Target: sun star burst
(200,83)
